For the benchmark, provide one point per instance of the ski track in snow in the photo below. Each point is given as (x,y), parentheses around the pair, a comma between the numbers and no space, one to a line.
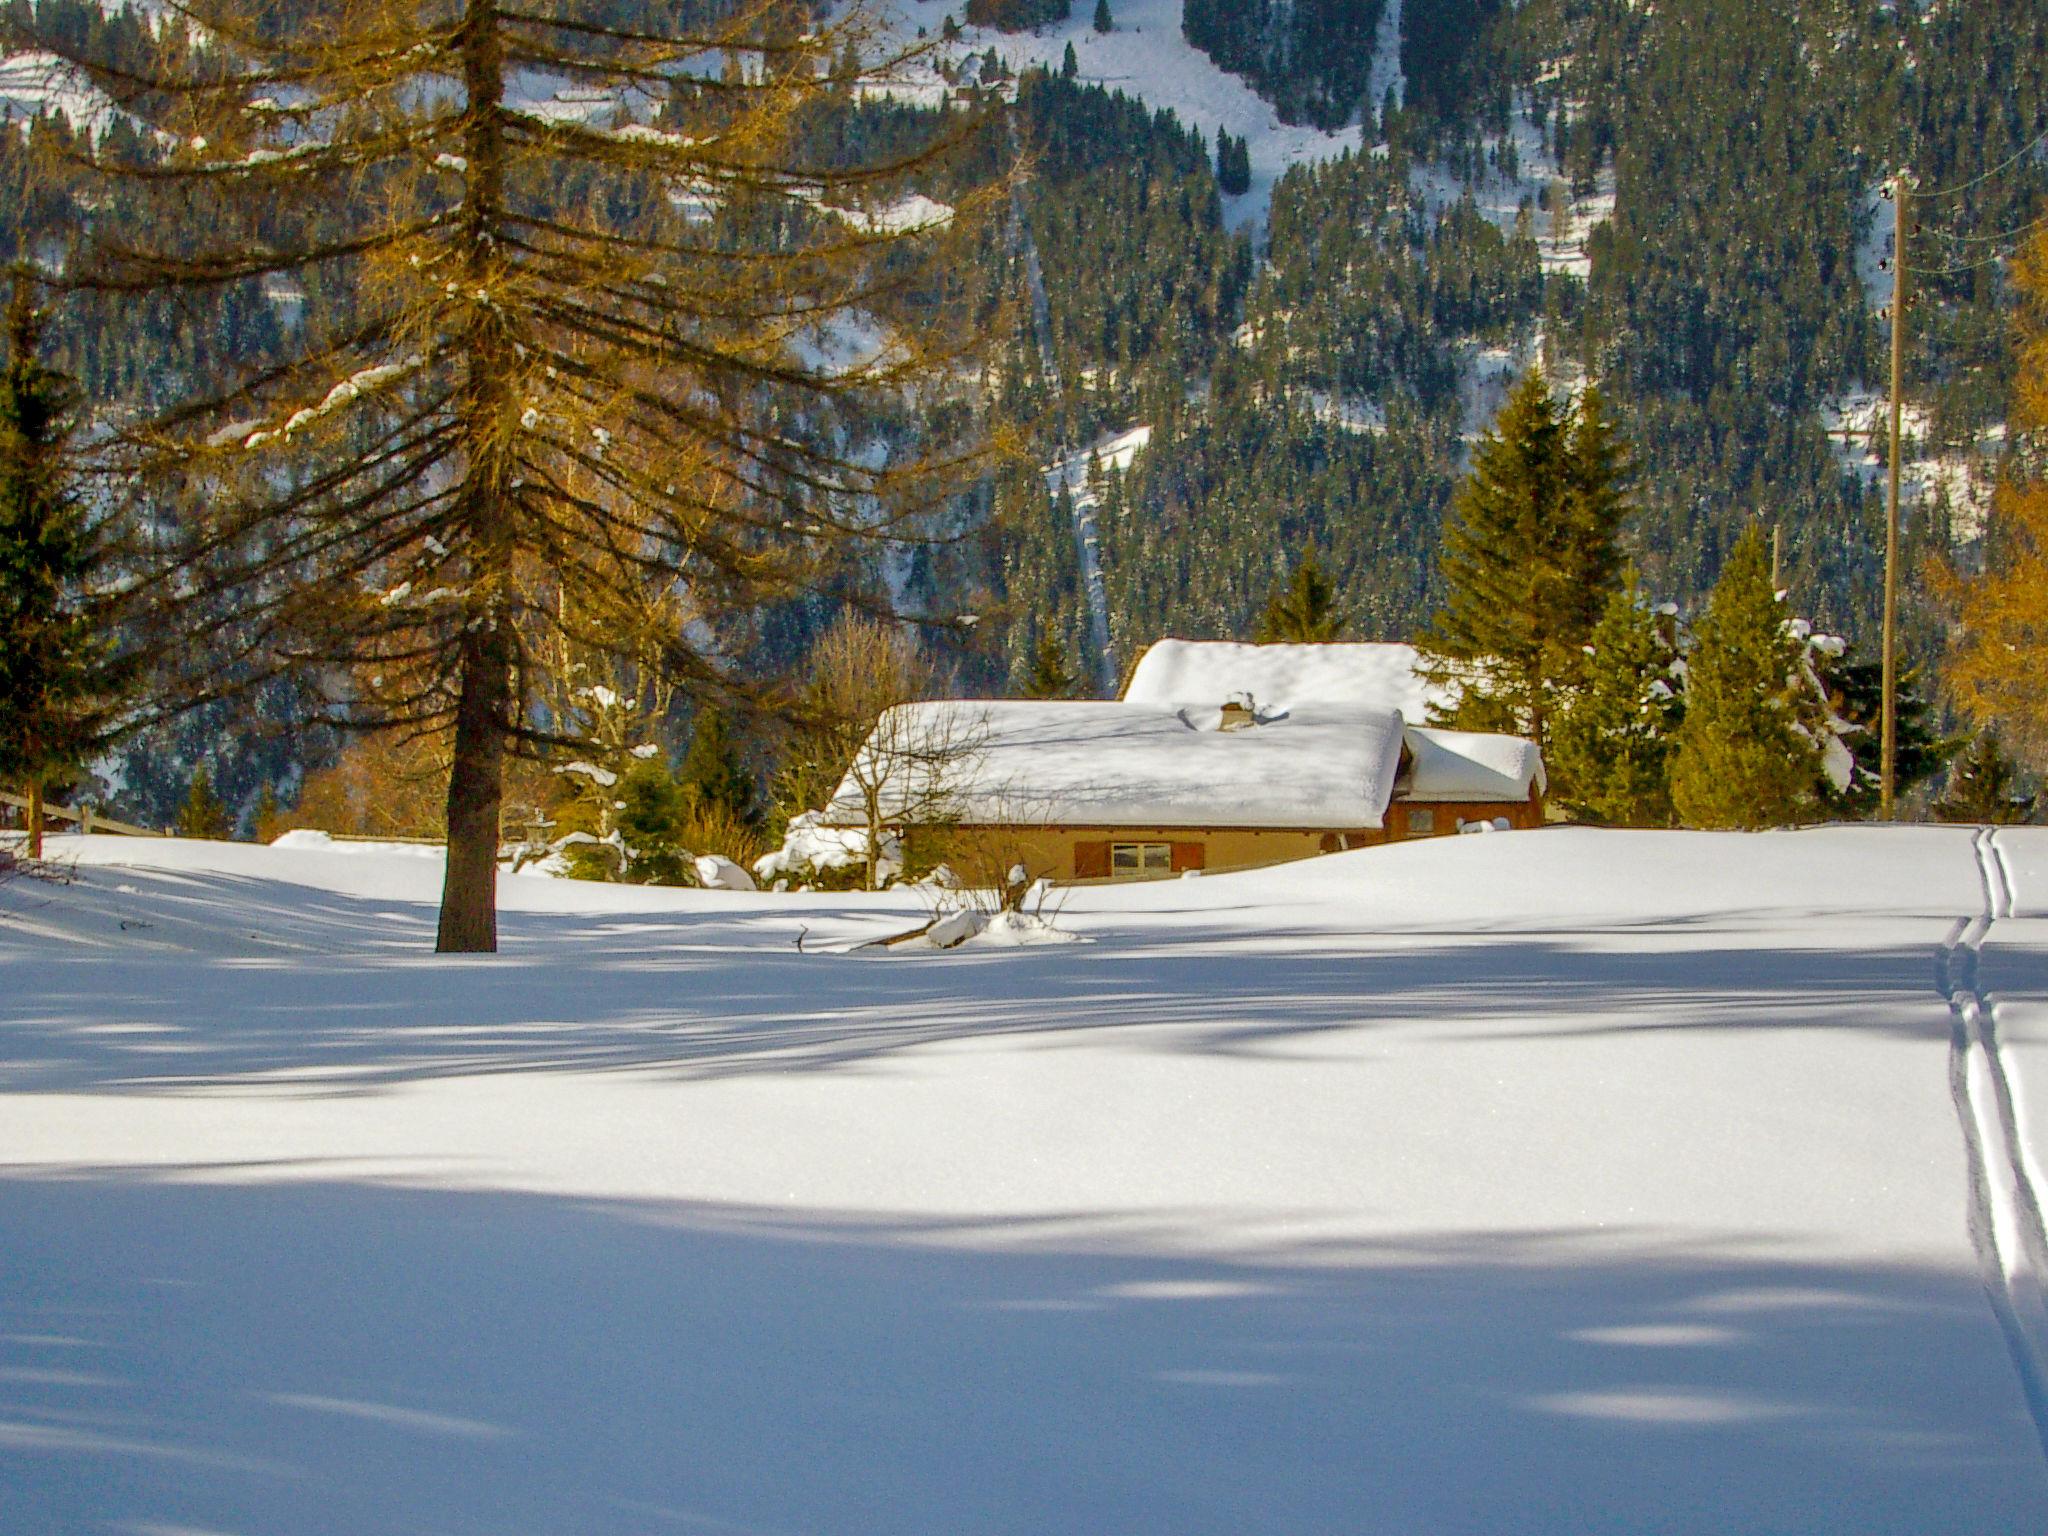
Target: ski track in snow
(2005,1220)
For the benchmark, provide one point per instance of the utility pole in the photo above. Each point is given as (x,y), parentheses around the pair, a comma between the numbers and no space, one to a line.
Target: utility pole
(1902,222)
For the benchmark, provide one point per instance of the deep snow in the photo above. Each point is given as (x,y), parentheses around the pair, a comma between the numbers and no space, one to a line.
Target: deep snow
(1561,1181)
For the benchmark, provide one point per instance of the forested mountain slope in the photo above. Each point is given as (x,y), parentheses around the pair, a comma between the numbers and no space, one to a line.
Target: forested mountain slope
(1678,200)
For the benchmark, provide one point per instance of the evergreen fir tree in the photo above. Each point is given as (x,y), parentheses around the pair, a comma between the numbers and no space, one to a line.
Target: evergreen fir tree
(1612,739)
(203,814)
(1529,560)
(1070,62)
(1305,611)
(1233,164)
(650,824)
(1104,22)
(1050,676)
(713,775)
(55,685)
(1586,558)
(1742,759)
(1982,788)
(1488,641)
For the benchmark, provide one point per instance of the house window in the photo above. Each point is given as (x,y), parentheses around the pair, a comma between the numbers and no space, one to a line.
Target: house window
(1421,822)
(1130,861)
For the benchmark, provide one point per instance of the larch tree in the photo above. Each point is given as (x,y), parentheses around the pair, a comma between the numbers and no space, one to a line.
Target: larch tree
(2000,653)
(1745,758)
(583,297)
(1530,557)
(58,690)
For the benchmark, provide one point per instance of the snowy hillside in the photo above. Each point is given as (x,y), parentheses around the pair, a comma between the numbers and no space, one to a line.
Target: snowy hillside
(1147,57)
(1564,1181)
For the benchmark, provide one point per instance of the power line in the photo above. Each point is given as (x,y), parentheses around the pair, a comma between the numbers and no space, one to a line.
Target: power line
(1992,260)
(1997,170)
(2010,234)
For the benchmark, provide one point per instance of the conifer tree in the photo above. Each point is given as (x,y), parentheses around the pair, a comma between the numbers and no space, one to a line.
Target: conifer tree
(1854,693)
(1612,740)
(1983,787)
(1070,62)
(1233,164)
(1104,22)
(1743,759)
(56,685)
(558,363)
(1305,611)
(1530,557)
(204,814)
(1488,643)
(1050,676)
(713,775)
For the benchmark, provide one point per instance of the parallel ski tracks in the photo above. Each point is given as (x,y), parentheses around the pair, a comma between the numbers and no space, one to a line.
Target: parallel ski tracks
(2005,1220)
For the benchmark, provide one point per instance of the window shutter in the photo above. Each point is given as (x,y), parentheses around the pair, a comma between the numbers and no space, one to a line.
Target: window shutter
(1190,856)
(1091,861)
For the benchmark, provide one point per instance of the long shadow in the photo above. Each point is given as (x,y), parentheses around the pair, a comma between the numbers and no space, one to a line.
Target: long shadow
(699,1008)
(319,1357)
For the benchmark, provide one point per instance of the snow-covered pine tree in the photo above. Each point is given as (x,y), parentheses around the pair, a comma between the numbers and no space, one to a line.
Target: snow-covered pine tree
(57,686)
(1612,738)
(549,347)
(1743,758)
(1304,611)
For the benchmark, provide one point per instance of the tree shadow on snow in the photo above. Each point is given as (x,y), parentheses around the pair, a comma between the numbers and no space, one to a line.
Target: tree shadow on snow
(709,998)
(319,1356)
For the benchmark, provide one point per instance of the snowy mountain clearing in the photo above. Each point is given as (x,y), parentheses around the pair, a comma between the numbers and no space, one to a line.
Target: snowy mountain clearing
(1564,1181)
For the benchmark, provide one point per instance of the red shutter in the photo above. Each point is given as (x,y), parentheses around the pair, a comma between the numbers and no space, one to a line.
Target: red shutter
(1190,856)
(1091,861)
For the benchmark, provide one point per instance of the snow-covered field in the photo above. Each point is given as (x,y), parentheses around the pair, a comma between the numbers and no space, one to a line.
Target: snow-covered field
(1563,1181)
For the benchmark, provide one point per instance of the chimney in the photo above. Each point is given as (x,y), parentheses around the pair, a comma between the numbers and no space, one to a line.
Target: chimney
(1238,714)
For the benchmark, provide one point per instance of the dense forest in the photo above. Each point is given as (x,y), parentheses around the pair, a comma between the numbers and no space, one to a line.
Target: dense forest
(1677,201)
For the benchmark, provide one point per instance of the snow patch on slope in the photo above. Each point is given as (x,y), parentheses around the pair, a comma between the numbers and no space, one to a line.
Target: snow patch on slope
(1561,231)
(1147,57)
(36,84)
(1859,428)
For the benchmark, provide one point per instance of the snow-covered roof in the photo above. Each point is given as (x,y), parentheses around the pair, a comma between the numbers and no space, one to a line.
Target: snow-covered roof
(1013,762)
(1383,676)
(1471,765)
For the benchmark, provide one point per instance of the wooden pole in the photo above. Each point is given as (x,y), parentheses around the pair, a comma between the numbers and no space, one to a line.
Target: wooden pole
(35,819)
(1888,769)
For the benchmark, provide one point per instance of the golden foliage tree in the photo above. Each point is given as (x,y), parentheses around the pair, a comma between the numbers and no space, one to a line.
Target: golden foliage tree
(578,300)
(2000,653)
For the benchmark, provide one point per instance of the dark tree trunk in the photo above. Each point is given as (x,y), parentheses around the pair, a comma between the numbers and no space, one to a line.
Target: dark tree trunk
(476,788)
(35,819)
(483,708)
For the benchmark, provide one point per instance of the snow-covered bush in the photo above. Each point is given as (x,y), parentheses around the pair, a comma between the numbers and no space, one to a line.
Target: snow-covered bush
(828,858)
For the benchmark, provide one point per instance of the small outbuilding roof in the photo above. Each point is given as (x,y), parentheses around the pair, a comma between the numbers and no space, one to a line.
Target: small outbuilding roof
(1470,765)
(1174,672)
(1315,765)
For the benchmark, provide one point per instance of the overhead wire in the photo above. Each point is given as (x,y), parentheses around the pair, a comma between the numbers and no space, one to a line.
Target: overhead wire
(1997,170)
